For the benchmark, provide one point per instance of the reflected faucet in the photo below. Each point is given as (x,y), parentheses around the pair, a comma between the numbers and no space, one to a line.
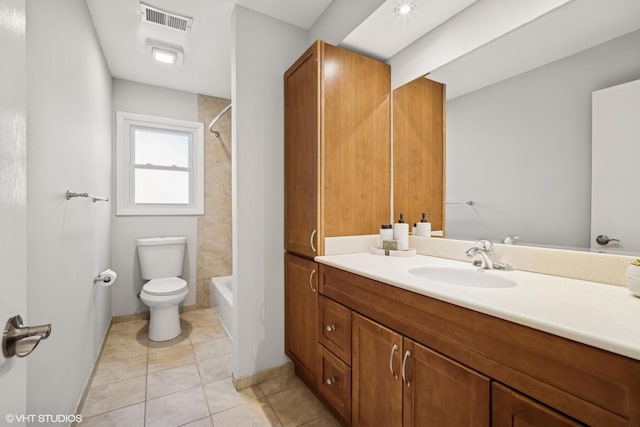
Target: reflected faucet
(511,239)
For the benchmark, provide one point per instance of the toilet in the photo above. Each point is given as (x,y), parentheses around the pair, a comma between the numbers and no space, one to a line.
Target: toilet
(161,261)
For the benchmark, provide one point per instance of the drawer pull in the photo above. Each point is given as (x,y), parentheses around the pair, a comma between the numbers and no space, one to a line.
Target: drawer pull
(407,354)
(393,350)
(313,272)
(331,328)
(331,381)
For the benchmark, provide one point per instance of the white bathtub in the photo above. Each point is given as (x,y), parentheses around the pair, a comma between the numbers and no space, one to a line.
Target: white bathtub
(222,301)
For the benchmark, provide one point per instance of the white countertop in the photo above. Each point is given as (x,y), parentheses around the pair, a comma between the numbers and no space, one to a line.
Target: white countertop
(600,315)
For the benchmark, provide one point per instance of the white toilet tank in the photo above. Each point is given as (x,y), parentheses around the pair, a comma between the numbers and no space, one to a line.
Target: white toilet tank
(161,256)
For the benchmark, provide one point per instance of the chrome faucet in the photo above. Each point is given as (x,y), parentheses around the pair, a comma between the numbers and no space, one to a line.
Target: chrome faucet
(485,260)
(484,251)
(511,239)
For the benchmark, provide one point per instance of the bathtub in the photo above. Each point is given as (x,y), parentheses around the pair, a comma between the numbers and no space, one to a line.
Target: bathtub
(222,301)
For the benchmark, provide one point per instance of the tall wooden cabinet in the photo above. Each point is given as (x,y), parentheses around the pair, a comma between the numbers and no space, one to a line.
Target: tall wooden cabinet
(337,147)
(337,183)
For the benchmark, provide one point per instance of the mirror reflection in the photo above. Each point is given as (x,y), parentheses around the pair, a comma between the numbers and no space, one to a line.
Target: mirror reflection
(519,144)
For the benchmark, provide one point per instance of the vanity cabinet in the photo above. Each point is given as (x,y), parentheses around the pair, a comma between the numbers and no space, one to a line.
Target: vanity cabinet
(337,147)
(301,315)
(512,409)
(419,361)
(398,382)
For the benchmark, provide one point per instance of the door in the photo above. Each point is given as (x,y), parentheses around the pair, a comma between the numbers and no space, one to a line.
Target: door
(13,195)
(302,133)
(301,313)
(440,392)
(376,379)
(615,207)
(510,409)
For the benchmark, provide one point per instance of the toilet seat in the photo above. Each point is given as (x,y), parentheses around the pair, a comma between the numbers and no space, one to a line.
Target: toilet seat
(165,286)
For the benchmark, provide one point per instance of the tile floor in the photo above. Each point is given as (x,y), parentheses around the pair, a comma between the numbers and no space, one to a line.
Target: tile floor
(187,382)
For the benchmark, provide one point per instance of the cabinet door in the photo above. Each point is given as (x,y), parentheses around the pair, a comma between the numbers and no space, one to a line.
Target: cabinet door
(375,366)
(510,408)
(301,86)
(300,313)
(440,392)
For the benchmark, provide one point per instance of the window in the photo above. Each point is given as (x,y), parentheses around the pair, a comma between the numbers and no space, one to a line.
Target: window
(159,166)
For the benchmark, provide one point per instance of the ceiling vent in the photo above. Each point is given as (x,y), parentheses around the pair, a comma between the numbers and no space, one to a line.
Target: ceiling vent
(166,19)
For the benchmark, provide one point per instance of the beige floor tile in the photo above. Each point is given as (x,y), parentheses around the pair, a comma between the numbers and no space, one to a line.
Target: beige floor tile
(212,348)
(203,422)
(129,326)
(324,421)
(118,351)
(207,332)
(177,408)
(169,381)
(117,370)
(256,413)
(222,395)
(280,383)
(296,405)
(212,370)
(180,340)
(130,416)
(170,358)
(112,396)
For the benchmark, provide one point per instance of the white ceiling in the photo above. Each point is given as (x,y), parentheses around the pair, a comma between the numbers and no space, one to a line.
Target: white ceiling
(206,68)
(385,33)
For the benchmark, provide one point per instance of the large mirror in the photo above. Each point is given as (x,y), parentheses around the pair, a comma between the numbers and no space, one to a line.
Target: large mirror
(519,125)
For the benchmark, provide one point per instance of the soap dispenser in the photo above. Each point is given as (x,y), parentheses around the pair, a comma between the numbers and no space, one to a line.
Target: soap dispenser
(401,233)
(423,228)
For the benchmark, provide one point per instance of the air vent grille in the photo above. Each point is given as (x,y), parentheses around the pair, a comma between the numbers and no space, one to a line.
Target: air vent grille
(166,19)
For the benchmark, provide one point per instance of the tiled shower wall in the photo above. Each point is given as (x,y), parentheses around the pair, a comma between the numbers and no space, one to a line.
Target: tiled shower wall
(214,227)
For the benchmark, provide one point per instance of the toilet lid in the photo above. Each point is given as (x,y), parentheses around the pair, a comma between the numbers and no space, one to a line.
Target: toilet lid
(165,286)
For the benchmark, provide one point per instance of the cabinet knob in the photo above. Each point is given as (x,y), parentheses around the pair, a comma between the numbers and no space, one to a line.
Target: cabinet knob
(331,328)
(331,381)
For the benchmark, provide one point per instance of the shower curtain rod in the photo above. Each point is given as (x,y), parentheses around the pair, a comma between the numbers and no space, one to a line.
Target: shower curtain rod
(216,118)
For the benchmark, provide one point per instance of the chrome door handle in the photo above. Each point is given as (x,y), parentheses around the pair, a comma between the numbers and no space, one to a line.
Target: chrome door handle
(20,340)
(407,354)
(311,280)
(393,350)
(603,239)
(313,233)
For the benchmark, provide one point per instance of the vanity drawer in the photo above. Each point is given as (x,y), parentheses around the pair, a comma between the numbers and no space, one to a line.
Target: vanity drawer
(335,328)
(335,383)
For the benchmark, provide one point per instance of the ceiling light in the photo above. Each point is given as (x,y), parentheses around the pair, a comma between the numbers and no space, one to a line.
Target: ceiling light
(163,52)
(405,8)
(166,56)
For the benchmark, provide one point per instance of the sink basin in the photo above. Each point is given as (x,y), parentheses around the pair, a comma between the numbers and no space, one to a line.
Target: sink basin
(463,277)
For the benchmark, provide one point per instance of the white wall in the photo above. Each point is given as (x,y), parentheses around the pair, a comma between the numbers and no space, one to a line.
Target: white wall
(521,149)
(68,147)
(263,49)
(145,99)
(340,18)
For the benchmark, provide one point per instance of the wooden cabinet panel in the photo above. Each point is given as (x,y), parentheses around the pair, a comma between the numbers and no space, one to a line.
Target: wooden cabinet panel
(512,409)
(301,91)
(355,182)
(301,314)
(335,383)
(418,151)
(335,328)
(440,392)
(376,392)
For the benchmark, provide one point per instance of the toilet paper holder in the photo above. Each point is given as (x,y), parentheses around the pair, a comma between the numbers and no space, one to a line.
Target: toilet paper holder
(107,277)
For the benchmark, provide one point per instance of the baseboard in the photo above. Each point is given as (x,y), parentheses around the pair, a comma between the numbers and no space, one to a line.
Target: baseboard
(262,376)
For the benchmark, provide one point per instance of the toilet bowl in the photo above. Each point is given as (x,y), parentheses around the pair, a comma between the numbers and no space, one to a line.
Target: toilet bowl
(161,260)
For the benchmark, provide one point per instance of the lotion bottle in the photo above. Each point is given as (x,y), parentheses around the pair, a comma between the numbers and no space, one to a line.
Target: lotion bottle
(423,228)
(386,233)
(401,233)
